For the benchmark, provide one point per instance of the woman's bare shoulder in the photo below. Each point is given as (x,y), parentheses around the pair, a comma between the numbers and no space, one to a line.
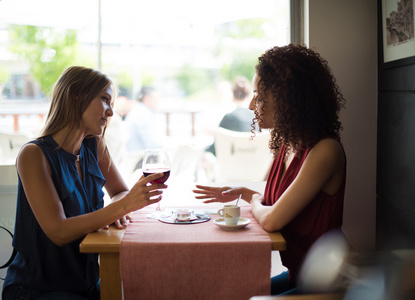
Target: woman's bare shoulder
(29,150)
(329,144)
(30,155)
(329,149)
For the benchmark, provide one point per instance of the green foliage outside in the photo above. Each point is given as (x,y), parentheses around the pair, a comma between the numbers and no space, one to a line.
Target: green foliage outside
(243,64)
(4,76)
(125,83)
(193,80)
(48,51)
(243,53)
(147,78)
(240,60)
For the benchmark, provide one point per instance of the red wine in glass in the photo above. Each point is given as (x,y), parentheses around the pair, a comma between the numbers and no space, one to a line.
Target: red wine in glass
(156,161)
(165,171)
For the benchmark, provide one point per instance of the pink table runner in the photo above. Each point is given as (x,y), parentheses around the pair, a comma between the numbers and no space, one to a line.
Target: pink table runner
(194,261)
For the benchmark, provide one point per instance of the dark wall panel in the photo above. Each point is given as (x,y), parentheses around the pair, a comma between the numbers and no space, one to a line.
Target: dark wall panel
(395,206)
(396,149)
(396,170)
(397,79)
(395,226)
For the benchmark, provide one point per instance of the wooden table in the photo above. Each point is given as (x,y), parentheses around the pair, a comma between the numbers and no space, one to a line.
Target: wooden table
(107,244)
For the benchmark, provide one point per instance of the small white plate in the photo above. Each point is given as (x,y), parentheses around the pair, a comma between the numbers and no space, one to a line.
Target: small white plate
(241,224)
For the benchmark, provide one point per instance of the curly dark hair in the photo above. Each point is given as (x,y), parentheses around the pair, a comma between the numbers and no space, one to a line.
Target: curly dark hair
(307,98)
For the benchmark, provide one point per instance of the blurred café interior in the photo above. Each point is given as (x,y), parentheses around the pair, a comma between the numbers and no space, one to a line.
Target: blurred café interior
(190,52)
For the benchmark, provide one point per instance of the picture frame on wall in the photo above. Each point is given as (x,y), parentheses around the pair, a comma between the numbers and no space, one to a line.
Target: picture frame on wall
(398,27)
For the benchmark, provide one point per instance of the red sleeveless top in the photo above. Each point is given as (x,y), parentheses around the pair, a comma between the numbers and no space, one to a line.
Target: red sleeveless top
(321,215)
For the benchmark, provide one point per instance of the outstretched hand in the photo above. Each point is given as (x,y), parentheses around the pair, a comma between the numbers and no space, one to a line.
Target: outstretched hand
(216,194)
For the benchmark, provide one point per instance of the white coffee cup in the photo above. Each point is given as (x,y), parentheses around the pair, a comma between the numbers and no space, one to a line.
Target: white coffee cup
(230,213)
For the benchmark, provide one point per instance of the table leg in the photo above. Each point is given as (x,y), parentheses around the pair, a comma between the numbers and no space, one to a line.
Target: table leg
(111,288)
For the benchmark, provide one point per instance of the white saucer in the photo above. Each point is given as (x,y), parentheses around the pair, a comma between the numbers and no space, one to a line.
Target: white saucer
(241,224)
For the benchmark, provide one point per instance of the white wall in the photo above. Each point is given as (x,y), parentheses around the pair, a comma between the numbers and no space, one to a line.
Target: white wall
(345,34)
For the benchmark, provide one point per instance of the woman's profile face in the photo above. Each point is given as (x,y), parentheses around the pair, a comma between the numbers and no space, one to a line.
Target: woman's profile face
(96,115)
(265,110)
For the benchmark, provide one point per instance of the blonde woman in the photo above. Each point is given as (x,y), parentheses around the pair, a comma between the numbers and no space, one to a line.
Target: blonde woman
(60,196)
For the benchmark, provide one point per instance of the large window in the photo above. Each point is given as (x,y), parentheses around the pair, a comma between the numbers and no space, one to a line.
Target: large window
(188,50)
(138,42)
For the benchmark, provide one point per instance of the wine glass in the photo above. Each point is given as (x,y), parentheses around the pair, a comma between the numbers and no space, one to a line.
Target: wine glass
(156,161)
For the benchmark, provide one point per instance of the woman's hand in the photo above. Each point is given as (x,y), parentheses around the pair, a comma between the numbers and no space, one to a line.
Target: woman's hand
(121,223)
(222,194)
(144,192)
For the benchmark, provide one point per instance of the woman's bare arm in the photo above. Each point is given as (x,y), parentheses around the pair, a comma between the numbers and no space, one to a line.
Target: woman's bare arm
(35,174)
(323,170)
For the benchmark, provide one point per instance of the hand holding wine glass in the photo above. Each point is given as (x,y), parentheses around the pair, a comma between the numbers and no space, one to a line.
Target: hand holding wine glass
(156,161)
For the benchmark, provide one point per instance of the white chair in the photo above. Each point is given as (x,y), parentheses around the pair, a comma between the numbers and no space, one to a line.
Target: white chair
(116,138)
(129,163)
(239,157)
(8,197)
(185,163)
(10,144)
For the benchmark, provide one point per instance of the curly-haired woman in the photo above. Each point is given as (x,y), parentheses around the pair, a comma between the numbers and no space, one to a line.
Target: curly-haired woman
(60,196)
(296,96)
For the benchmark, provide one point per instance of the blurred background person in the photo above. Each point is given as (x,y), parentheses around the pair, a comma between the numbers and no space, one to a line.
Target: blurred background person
(240,119)
(220,105)
(142,122)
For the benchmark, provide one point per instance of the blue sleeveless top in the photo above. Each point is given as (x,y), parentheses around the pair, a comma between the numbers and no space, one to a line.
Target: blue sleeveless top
(39,263)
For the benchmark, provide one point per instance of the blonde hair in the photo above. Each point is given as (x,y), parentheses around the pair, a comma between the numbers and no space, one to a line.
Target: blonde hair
(72,93)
